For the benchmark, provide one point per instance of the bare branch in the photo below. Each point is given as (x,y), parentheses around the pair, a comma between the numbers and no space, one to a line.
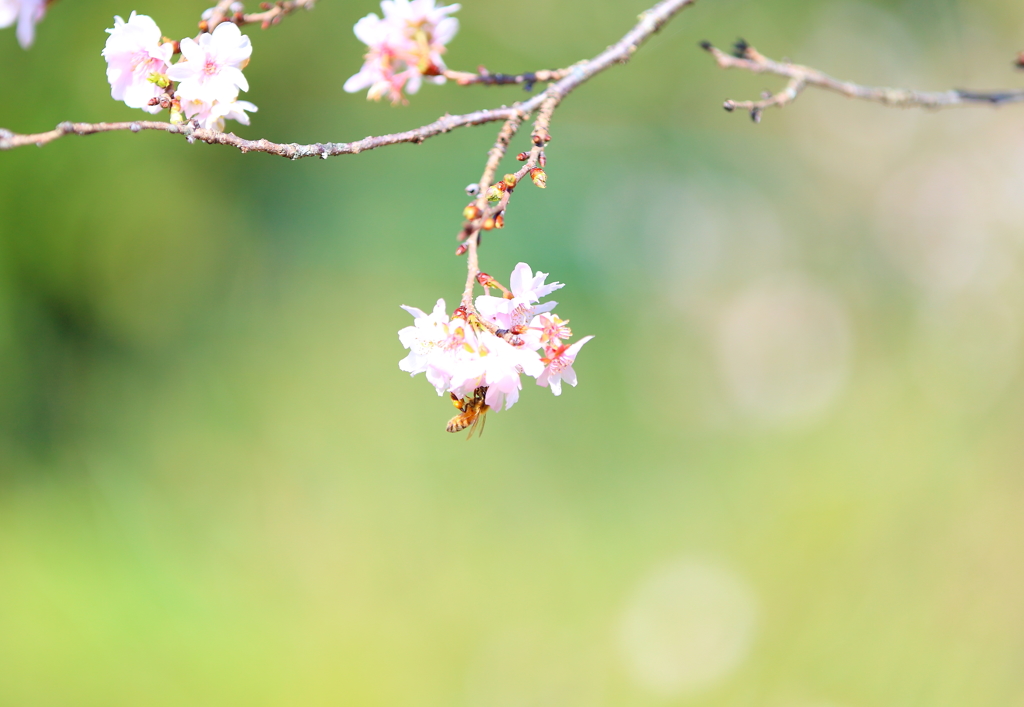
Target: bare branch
(485,77)
(800,77)
(447,123)
(481,215)
(650,22)
(271,13)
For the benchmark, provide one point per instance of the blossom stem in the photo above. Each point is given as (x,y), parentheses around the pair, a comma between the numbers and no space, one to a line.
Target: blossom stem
(494,155)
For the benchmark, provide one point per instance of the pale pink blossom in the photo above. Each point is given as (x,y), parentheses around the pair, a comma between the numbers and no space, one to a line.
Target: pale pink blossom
(547,330)
(405,46)
(527,286)
(469,352)
(136,61)
(210,70)
(559,366)
(497,365)
(423,26)
(516,313)
(27,13)
(212,116)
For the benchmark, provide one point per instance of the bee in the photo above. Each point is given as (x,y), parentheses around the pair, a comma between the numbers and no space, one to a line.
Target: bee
(471,412)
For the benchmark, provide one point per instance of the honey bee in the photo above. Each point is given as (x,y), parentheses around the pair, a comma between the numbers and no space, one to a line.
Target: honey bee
(471,412)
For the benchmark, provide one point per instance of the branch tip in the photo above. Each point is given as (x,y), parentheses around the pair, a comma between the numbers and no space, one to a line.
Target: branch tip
(800,77)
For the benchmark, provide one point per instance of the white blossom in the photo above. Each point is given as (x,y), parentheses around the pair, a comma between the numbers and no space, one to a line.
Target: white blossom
(27,13)
(136,61)
(496,365)
(211,69)
(210,76)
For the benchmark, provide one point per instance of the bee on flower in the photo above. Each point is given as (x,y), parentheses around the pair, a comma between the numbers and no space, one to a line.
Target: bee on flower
(479,357)
(404,48)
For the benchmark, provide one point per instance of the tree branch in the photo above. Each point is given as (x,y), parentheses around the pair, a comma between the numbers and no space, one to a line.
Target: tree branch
(481,214)
(619,53)
(486,78)
(800,77)
(271,13)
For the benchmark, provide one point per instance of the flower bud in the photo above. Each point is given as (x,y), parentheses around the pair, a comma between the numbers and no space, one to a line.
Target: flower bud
(486,280)
(523,156)
(488,224)
(159,79)
(496,192)
(539,177)
(499,221)
(461,250)
(510,181)
(472,212)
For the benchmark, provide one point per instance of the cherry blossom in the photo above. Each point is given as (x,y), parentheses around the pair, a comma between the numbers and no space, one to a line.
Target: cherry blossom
(27,13)
(491,345)
(211,69)
(526,288)
(440,348)
(547,331)
(422,337)
(213,116)
(210,76)
(137,62)
(559,366)
(405,46)
(497,365)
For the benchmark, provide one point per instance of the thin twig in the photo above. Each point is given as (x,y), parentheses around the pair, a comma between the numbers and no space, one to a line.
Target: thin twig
(650,22)
(486,78)
(545,104)
(294,151)
(800,77)
(267,17)
(494,155)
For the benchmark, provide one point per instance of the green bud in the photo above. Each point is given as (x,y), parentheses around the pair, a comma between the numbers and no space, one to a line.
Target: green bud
(160,80)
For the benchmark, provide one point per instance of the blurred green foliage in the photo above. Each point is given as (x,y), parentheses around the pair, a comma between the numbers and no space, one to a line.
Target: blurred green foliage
(791,475)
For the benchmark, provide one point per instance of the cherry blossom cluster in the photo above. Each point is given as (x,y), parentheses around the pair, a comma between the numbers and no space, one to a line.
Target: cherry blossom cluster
(405,47)
(488,346)
(202,86)
(27,13)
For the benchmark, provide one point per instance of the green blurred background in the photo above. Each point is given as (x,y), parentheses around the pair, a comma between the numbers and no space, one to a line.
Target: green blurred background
(790,476)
